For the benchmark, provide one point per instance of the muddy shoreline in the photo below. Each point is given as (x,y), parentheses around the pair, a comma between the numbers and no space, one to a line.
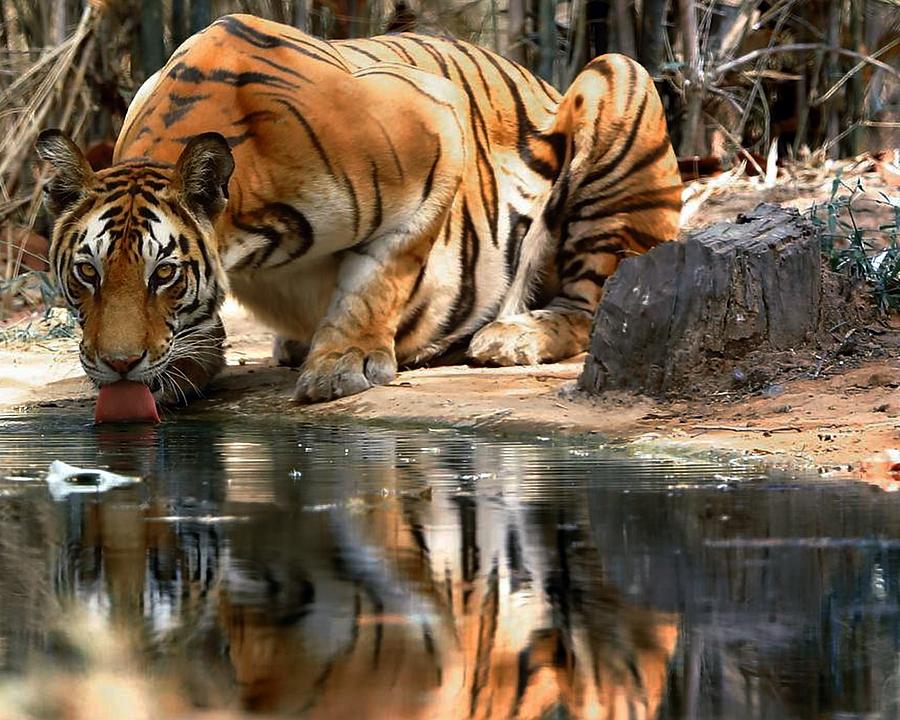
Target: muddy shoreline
(846,423)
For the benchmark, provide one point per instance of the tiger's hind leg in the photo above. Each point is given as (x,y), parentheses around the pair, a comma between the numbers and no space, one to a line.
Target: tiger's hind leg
(618,194)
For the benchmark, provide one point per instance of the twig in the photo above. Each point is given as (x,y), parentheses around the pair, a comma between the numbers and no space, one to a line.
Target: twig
(737,143)
(757,84)
(802,47)
(732,428)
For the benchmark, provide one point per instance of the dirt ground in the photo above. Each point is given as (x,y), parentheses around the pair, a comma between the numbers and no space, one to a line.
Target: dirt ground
(846,420)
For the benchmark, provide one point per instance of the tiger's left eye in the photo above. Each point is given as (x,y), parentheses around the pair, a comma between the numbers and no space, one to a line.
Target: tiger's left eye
(163,273)
(86,272)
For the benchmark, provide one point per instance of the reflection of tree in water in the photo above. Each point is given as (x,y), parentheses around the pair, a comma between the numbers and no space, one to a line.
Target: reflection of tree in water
(432,575)
(776,622)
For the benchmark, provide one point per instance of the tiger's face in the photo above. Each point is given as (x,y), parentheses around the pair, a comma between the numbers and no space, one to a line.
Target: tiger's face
(135,259)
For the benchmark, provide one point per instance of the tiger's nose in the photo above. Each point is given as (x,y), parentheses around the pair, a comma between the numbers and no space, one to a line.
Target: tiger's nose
(123,365)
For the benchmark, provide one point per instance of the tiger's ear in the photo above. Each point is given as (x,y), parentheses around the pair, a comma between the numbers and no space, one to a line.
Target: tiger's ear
(73,175)
(202,173)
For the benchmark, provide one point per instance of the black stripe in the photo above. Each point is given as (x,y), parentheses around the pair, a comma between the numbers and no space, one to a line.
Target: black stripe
(111,212)
(391,145)
(309,131)
(654,201)
(182,72)
(468,260)
(366,53)
(377,215)
(429,180)
(252,117)
(167,249)
(398,49)
(483,164)
(589,275)
(526,128)
(295,227)
(643,240)
(438,58)
(179,106)
(602,67)
(605,167)
(386,71)
(148,214)
(518,229)
(268,42)
(615,183)
(281,68)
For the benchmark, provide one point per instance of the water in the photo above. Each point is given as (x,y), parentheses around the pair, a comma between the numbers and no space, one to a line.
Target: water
(349,571)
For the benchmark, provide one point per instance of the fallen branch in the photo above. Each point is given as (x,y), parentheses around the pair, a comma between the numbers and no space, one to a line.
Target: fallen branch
(733,428)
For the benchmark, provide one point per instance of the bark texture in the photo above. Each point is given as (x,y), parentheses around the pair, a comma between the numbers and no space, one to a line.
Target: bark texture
(701,307)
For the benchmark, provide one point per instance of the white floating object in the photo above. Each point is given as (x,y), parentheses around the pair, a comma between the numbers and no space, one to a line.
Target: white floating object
(64,480)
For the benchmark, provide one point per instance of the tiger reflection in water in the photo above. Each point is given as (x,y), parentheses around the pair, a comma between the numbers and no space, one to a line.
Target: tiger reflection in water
(415,600)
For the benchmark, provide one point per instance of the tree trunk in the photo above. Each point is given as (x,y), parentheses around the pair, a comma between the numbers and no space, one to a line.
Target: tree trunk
(690,314)
(692,131)
(153,49)
(653,36)
(547,38)
(299,15)
(597,26)
(201,15)
(179,23)
(855,104)
(515,31)
(833,74)
(624,28)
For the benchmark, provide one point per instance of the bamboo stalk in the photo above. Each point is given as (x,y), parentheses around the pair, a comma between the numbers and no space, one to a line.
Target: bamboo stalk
(547,38)
(832,119)
(515,31)
(624,28)
(855,90)
(653,31)
(692,141)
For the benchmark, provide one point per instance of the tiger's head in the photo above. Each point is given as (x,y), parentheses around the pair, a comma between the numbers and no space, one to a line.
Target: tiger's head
(135,258)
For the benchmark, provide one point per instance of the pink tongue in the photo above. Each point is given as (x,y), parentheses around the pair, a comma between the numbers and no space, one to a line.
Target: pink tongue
(125,401)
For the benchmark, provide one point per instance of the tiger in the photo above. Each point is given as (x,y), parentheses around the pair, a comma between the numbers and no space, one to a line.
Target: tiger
(378,203)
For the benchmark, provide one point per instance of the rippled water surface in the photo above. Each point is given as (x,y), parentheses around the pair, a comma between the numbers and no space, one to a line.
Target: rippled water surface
(270,569)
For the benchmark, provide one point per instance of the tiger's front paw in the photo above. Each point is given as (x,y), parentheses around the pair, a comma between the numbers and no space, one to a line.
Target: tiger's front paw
(530,338)
(331,375)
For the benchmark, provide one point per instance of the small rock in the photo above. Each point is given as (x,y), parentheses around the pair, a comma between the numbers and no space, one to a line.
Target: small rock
(773,390)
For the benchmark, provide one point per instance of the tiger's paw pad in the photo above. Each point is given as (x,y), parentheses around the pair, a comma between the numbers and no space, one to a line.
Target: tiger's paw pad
(517,340)
(338,374)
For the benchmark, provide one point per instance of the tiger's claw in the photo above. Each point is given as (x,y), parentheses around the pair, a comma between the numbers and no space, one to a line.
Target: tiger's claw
(339,374)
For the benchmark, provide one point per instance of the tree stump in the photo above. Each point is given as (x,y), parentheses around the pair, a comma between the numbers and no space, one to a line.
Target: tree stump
(703,308)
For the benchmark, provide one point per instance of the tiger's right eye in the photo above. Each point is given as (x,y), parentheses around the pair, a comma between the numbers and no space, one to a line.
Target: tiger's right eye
(86,272)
